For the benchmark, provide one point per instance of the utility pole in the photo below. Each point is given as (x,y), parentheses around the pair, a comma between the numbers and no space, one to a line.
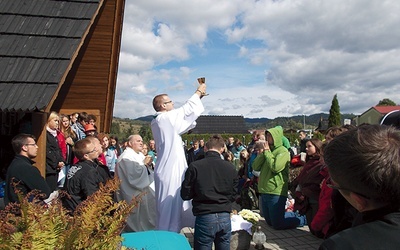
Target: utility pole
(304,121)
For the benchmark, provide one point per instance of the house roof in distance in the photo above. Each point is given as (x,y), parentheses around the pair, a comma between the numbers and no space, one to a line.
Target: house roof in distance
(217,124)
(386,109)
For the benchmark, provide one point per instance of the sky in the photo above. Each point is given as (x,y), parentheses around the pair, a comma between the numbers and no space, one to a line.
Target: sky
(260,58)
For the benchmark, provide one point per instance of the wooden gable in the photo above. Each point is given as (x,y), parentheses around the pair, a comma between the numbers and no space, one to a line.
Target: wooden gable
(56,56)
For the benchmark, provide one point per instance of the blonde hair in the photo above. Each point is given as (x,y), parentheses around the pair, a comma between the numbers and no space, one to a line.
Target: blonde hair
(53,115)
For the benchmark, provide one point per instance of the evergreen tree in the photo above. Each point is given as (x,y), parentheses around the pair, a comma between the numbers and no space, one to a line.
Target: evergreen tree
(386,102)
(334,113)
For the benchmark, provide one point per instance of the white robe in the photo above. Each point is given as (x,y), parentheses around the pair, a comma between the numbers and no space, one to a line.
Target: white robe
(135,179)
(172,212)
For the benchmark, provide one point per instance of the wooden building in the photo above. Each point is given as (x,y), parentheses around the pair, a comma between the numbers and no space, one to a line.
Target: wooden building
(56,56)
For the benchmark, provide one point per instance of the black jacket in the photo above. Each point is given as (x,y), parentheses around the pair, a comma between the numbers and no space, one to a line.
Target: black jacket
(28,176)
(211,183)
(191,156)
(378,229)
(82,181)
(53,154)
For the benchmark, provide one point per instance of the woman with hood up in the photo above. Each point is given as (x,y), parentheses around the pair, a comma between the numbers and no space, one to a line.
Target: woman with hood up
(273,162)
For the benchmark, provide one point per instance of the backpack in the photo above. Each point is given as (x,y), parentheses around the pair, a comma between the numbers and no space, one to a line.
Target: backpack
(248,196)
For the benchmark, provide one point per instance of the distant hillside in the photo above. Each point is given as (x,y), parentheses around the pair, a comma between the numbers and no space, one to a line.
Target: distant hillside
(145,118)
(293,122)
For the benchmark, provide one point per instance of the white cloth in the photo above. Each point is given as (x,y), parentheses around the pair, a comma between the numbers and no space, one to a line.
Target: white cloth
(136,179)
(52,196)
(172,212)
(238,223)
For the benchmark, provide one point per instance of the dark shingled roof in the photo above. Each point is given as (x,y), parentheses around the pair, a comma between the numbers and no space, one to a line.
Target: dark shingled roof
(38,39)
(215,124)
(323,125)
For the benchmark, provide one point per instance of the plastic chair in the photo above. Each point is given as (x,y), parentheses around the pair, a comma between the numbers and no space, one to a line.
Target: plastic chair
(155,240)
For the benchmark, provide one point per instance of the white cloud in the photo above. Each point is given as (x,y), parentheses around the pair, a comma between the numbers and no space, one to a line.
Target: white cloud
(289,57)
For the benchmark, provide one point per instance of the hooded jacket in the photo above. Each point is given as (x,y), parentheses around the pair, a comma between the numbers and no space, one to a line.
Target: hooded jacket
(274,166)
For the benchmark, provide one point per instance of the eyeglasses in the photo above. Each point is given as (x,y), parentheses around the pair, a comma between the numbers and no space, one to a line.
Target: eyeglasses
(330,184)
(30,144)
(94,150)
(167,102)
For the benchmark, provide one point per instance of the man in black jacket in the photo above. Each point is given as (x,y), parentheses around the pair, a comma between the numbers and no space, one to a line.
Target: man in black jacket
(364,165)
(195,152)
(212,184)
(21,171)
(83,178)
(303,141)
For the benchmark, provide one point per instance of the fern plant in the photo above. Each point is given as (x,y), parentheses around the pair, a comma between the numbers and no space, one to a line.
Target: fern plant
(96,224)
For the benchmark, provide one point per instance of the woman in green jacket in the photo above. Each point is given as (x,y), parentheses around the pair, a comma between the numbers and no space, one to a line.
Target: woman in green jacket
(273,161)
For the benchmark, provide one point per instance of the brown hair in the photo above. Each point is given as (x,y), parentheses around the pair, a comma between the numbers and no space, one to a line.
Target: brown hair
(20,140)
(318,145)
(158,101)
(215,142)
(366,160)
(68,132)
(334,131)
(81,147)
(101,136)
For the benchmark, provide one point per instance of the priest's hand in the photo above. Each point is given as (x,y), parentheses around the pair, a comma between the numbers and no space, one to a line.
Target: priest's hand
(201,90)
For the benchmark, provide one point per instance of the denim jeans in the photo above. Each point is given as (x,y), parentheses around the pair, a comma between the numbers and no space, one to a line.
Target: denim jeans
(211,228)
(273,209)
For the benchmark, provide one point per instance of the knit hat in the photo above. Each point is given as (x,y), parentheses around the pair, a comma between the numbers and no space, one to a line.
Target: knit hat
(89,127)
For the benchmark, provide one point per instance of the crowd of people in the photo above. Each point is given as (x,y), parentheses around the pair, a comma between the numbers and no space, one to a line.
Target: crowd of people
(345,189)
(78,158)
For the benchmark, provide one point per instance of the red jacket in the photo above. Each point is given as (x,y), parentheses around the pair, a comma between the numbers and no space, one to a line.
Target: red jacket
(62,144)
(323,219)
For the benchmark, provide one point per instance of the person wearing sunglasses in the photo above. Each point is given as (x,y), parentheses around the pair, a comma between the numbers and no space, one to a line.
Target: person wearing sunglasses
(364,165)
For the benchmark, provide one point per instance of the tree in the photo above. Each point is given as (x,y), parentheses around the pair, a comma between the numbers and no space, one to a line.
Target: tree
(334,113)
(293,124)
(145,133)
(129,131)
(386,102)
(115,128)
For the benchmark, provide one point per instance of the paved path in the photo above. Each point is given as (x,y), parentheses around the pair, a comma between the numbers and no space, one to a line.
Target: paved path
(299,238)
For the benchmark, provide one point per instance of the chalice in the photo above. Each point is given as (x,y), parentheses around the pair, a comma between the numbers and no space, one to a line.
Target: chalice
(202,80)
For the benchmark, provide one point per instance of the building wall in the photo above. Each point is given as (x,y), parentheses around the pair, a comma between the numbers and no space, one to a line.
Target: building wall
(372,116)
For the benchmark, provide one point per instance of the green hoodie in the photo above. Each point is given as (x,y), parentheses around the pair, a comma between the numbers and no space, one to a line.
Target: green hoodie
(274,166)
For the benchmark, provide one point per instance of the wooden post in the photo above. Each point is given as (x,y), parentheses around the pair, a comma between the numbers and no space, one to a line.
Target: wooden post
(39,121)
